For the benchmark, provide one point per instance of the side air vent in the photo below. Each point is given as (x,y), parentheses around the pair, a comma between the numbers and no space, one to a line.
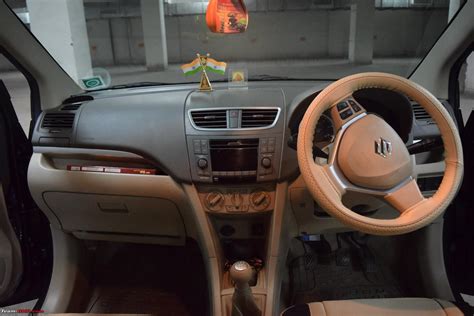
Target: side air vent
(58,120)
(209,118)
(71,107)
(253,118)
(420,113)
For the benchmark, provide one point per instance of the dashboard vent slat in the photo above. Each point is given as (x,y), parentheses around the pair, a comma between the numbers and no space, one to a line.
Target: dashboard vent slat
(252,118)
(420,113)
(210,118)
(71,107)
(58,120)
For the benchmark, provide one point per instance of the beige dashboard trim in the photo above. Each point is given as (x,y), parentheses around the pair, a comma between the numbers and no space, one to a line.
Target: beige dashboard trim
(44,177)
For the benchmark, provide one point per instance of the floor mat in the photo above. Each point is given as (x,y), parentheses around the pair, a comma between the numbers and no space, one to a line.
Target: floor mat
(347,273)
(147,279)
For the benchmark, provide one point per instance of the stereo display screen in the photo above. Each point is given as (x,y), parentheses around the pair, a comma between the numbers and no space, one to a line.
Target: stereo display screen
(237,155)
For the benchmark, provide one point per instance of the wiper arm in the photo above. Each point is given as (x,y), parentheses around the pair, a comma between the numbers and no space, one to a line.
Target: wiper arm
(138,84)
(266,77)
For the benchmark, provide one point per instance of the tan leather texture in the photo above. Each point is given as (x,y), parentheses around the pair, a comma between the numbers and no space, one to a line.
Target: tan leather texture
(359,164)
(326,193)
(385,307)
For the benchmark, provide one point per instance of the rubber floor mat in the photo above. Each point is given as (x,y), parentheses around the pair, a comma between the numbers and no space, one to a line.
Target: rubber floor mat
(147,279)
(338,277)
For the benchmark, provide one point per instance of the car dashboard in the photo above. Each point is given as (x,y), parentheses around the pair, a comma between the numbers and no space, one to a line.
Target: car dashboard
(128,151)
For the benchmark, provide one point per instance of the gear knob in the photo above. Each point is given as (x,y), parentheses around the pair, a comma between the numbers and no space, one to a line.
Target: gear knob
(241,272)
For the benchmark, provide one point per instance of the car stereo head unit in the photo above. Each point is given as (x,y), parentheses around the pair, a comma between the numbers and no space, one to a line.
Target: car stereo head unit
(234,160)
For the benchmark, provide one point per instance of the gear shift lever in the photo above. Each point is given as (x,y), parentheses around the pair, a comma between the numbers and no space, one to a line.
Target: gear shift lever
(243,302)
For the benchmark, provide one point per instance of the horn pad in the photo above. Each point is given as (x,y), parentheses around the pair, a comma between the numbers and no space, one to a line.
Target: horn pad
(372,155)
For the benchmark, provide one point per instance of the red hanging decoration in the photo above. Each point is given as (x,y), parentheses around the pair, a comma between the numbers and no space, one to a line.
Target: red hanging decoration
(227,16)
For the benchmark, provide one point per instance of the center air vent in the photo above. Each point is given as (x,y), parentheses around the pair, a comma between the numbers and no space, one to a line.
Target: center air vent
(252,118)
(209,118)
(420,113)
(58,120)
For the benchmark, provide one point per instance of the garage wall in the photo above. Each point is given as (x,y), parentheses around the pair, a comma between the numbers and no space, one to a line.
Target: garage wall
(398,33)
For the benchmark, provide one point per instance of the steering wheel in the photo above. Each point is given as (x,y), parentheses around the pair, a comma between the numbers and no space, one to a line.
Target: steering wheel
(369,157)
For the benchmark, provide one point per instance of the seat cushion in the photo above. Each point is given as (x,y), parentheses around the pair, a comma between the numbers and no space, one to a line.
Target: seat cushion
(383,307)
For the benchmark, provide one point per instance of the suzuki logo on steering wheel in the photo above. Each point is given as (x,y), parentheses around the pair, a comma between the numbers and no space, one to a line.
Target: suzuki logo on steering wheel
(383,147)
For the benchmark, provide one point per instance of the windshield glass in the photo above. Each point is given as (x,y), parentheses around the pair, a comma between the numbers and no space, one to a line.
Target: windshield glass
(105,42)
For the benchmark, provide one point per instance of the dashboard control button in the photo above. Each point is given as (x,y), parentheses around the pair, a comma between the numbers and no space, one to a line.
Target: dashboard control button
(346,114)
(266,162)
(204,147)
(197,146)
(236,200)
(202,163)
(342,106)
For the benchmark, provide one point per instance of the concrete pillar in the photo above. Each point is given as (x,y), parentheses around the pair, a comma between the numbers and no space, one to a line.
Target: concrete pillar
(60,25)
(453,8)
(361,33)
(469,76)
(154,34)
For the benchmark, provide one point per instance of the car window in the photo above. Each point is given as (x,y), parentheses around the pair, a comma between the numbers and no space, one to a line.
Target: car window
(19,91)
(466,87)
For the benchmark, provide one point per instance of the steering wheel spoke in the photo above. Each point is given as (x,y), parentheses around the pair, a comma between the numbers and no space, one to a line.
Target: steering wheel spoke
(405,197)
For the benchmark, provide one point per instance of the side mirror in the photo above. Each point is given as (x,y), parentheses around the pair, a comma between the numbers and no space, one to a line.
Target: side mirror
(227,16)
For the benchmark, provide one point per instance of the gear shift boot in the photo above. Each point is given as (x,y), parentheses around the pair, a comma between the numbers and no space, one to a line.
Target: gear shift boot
(243,302)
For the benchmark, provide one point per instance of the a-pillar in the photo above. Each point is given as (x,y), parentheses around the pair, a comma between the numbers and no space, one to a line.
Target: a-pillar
(361,34)
(154,34)
(60,26)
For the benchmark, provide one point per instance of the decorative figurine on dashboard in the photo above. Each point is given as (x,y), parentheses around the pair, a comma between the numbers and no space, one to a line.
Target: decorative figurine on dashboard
(204,63)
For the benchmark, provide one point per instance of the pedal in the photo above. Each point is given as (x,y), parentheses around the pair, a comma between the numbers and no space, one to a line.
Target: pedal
(343,257)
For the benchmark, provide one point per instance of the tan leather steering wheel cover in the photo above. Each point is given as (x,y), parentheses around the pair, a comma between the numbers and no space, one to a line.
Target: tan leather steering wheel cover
(325,192)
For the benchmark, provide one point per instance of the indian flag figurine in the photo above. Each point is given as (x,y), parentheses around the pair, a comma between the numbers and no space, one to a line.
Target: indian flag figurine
(216,66)
(204,63)
(192,68)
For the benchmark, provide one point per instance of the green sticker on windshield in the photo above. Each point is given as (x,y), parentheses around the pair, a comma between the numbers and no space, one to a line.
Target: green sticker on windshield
(95,82)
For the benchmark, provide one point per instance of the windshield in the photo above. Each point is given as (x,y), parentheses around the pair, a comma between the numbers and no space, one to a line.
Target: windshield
(104,42)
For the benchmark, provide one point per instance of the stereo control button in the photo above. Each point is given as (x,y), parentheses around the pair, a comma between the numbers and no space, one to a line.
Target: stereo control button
(197,146)
(202,163)
(266,162)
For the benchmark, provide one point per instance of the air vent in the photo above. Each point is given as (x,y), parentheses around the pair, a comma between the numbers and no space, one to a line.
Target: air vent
(420,113)
(71,107)
(58,120)
(254,118)
(210,118)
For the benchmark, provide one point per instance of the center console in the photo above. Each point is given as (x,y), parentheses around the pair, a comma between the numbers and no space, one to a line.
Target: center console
(235,142)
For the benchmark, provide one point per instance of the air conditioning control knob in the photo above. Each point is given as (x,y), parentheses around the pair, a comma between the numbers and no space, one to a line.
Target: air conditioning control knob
(202,163)
(266,162)
(260,200)
(214,201)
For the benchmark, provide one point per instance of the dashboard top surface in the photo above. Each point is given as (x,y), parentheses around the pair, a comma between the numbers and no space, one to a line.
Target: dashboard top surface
(153,121)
